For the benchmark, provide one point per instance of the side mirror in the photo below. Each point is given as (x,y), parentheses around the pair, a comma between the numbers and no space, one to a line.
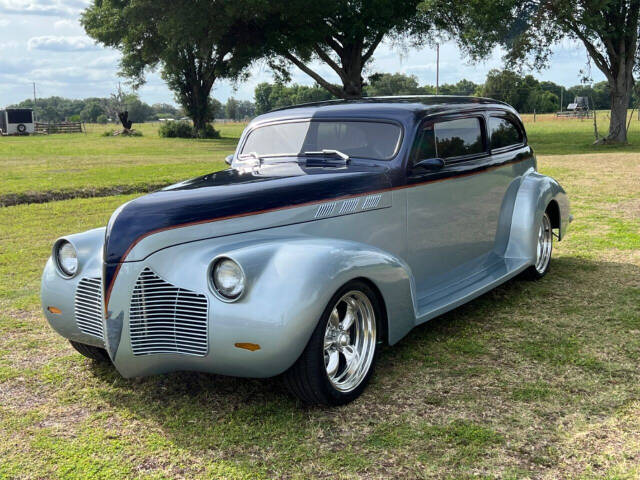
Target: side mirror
(229,159)
(430,164)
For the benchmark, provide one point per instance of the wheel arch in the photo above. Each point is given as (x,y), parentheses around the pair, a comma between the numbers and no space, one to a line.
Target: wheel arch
(384,321)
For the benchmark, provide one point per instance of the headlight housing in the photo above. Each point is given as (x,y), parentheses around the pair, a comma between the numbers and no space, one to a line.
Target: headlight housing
(66,258)
(227,279)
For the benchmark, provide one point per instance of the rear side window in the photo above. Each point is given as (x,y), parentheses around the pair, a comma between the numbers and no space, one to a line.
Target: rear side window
(457,138)
(504,133)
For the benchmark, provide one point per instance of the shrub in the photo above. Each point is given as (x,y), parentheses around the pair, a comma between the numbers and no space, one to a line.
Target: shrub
(176,130)
(74,118)
(209,132)
(183,129)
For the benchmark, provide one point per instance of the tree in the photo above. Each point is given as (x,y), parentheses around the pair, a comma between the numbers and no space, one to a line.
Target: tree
(231,109)
(91,111)
(270,96)
(193,42)
(607,28)
(343,34)
(506,86)
(381,84)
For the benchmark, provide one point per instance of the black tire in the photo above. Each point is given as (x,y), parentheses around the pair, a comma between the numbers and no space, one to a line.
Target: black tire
(21,128)
(96,354)
(534,272)
(307,379)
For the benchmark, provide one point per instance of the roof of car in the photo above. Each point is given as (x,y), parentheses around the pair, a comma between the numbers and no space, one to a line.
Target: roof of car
(399,108)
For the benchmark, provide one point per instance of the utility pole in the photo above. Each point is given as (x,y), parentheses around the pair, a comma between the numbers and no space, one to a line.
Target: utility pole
(437,66)
(561,97)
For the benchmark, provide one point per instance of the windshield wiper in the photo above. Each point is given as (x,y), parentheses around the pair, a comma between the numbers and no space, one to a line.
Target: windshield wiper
(327,153)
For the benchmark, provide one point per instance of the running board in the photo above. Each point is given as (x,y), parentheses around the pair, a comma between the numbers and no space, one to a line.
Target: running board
(452,295)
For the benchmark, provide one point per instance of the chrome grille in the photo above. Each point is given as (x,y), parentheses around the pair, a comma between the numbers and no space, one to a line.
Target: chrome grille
(88,306)
(166,319)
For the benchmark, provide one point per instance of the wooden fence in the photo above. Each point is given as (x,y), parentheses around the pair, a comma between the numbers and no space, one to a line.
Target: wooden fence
(59,127)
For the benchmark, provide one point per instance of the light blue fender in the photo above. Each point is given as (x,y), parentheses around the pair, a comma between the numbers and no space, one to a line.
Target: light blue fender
(535,194)
(289,282)
(60,292)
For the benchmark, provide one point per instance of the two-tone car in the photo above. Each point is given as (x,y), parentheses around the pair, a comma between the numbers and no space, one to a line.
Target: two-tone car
(338,227)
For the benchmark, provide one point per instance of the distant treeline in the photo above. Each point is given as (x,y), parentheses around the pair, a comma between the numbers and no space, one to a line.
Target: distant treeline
(524,93)
(104,110)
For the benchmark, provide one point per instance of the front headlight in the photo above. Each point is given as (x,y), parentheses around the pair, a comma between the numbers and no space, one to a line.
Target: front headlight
(227,278)
(66,258)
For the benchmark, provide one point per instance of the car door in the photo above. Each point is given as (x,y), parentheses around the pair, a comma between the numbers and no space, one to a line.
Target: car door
(452,212)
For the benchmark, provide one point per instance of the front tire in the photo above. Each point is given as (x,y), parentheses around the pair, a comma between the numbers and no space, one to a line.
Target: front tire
(543,251)
(96,354)
(338,361)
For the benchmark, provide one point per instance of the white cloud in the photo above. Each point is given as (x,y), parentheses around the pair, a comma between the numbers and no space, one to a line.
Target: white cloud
(56,8)
(54,43)
(4,22)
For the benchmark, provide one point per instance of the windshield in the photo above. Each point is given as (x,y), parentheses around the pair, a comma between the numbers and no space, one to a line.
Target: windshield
(374,140)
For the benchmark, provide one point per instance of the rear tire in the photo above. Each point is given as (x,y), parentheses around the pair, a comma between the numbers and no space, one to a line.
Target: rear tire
(96,354)
(543,252)
(339,359)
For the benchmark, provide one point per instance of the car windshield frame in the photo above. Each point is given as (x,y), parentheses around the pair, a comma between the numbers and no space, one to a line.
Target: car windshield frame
(267,156)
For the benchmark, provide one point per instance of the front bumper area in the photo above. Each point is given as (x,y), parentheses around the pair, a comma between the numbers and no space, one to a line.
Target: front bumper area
(203,334)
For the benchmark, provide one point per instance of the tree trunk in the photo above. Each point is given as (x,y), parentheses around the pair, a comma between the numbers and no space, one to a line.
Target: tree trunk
(352,83)
(618,124)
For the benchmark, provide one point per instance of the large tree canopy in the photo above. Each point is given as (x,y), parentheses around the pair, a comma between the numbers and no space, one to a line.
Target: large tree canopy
(607,28)
(194,42)
(342,34)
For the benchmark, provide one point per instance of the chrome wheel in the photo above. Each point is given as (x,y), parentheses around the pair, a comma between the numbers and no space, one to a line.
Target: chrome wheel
(349,341)
(545,242)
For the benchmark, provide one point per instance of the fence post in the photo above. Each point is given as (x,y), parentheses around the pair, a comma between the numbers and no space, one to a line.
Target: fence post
(534,115)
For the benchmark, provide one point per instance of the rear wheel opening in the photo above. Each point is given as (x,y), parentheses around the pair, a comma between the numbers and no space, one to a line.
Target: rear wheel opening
(544,248)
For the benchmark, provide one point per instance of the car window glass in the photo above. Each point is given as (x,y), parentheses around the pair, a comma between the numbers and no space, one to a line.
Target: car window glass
(375,140)
(504,133)
(455,138)
(426,145)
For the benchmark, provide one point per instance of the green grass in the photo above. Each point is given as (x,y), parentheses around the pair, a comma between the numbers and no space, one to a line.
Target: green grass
(42,168)
(532,380)
(58,164)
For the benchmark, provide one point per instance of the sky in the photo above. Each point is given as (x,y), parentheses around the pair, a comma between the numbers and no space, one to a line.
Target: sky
(42,41)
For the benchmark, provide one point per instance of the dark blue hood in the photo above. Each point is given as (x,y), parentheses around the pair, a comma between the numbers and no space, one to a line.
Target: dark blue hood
(231,193)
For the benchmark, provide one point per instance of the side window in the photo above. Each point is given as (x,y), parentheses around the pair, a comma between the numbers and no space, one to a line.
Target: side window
(504,133)
(456,138)
(426,146)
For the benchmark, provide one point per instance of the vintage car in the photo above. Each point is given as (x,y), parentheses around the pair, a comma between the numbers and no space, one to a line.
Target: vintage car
(338,227)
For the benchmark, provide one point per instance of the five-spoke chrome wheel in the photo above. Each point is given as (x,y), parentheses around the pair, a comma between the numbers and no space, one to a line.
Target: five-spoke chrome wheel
(545,243)
(349,341)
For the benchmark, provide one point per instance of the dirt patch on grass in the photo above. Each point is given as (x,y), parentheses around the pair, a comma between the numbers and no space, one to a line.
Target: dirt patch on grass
(12,199)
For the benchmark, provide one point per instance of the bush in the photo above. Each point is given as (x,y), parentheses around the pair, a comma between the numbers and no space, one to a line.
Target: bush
(176,130)
(183,129)
(102,119)
(209,132)
(74,118)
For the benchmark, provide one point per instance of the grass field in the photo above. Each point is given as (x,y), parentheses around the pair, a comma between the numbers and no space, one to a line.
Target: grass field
(45,168)
(533,380)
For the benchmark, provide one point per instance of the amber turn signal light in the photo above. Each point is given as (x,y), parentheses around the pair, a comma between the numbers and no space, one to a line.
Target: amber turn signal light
(248,346)
(54,310)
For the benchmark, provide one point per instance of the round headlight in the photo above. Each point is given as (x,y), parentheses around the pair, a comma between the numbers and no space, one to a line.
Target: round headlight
(66,258)
(228,278)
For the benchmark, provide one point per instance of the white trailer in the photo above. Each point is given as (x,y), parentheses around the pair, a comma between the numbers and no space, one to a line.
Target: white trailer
(17,121)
